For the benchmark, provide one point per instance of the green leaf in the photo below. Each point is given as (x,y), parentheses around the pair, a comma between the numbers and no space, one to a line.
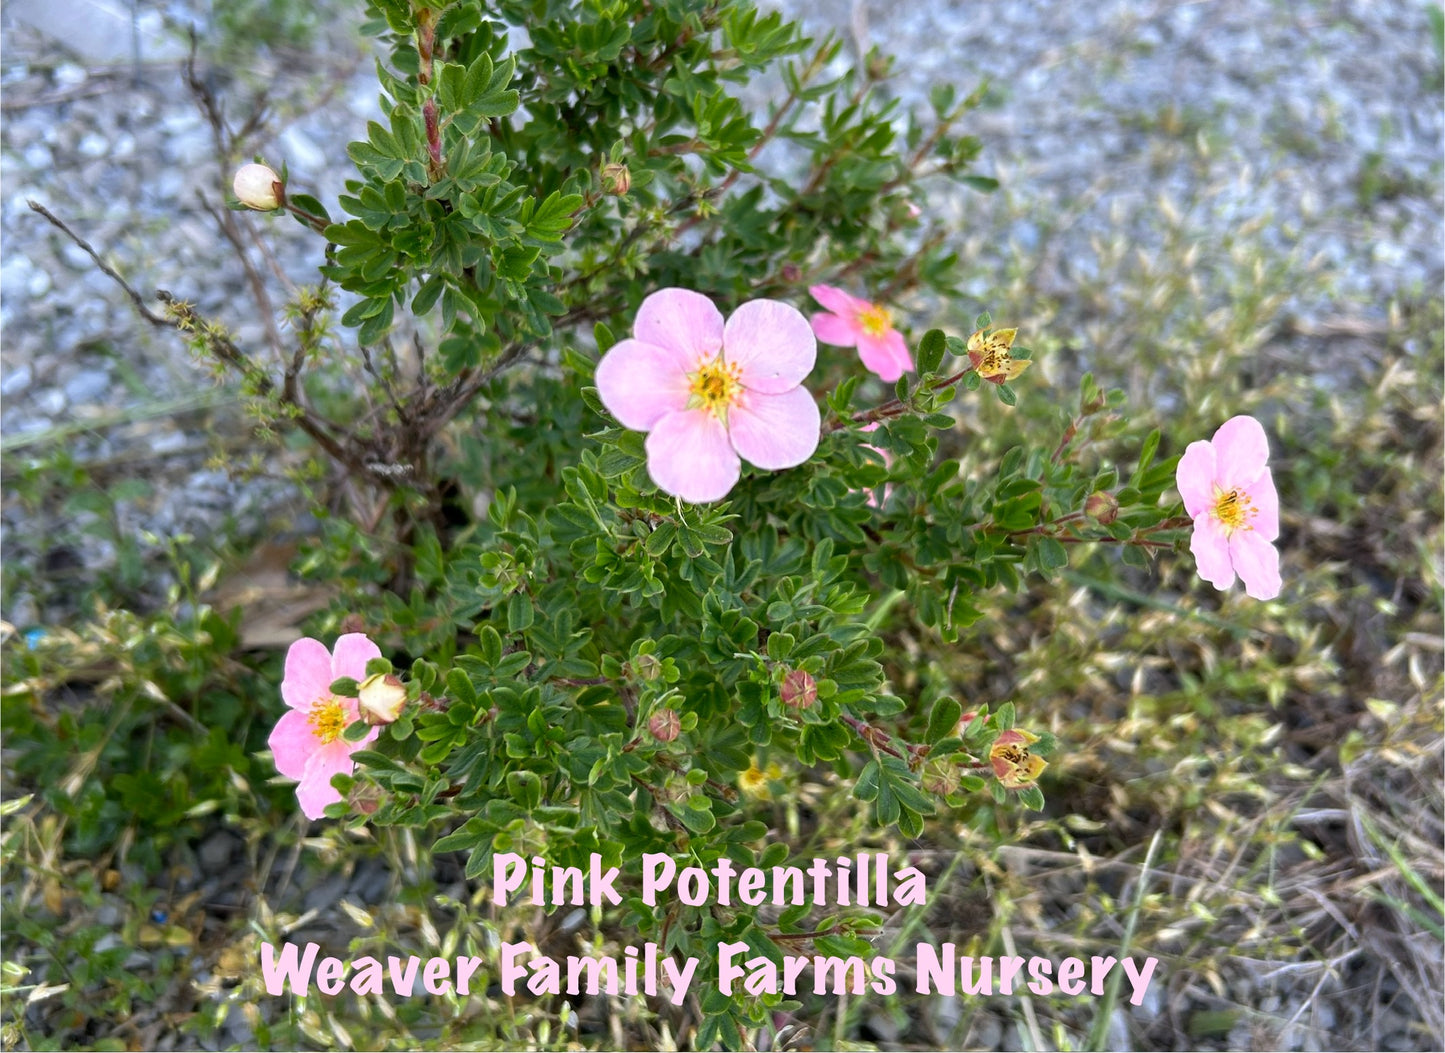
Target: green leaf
(490,643)
(603,336)
(553,217)
(1146,458)
(519,612)
(943,719)
(931,350)
(1052,554)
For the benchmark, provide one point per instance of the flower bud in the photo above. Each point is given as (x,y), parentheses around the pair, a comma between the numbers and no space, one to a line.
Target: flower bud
(1102,507)
(616,179)
(382,697)
(258,187)
(800,690)
(664,725)
(647,666)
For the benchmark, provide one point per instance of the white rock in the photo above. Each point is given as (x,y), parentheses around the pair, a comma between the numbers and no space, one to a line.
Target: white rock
(93,144)
(16,381)
(88,386)
(69,75)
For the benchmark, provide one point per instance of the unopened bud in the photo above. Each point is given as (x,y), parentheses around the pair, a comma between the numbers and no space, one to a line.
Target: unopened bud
(799,689)
(382,697)
(647,666)
(664,725)
(1102,507)
(258,187)
(616,179)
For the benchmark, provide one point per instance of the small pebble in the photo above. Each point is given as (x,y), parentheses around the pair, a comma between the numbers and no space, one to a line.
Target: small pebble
(69,75)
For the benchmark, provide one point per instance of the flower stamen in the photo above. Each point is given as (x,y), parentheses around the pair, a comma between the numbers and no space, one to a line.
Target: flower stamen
(1234,509)
(715,386)
(875,321)
(327,720)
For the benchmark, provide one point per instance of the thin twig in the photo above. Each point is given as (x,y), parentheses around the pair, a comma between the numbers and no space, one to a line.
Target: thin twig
(135,297)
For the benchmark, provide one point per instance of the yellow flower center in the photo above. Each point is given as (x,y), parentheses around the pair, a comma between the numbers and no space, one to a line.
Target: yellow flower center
(716,385)
(875,320)
(996,359)
(1233,509)
(327,720)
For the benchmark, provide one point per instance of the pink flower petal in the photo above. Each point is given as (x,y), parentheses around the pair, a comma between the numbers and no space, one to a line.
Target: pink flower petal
(772,343)
(1257,562)
(1241,450)
(775,431)
(1211,553)
(350,655)
(689,456)
(899,350)
(1266,503)
(308,673)
(683,321)
(315,791)
(1195,478)
(292,743)
(314,794)
(878,356)
(835,329)
(641,382)
(836,300)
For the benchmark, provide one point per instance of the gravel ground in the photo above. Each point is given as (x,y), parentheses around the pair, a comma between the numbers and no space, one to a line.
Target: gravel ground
(1323,120)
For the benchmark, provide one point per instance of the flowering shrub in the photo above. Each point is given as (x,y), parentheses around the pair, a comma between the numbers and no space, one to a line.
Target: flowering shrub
(622,644)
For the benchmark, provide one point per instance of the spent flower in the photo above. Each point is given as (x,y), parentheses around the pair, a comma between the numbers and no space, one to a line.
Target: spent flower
(710,392)
(852,322)
(1229,492)
(988,350)
(308,743)
(1013,764)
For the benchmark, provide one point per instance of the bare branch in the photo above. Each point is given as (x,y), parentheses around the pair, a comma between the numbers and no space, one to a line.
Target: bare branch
(135,297)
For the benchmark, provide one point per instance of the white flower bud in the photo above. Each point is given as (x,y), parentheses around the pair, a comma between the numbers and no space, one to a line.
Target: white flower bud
(382,697)
(258,187)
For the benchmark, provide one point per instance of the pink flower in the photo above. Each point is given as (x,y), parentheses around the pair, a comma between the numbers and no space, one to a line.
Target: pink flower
(307,742)
(867,326)
(709,393)
(1229,492)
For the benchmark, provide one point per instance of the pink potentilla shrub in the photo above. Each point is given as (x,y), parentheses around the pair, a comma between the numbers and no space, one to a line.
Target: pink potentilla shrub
(1229,492)
(866,326)
(307,742)
(710,392)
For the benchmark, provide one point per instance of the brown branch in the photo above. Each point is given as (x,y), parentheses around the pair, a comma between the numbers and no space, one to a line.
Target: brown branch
(135,297)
